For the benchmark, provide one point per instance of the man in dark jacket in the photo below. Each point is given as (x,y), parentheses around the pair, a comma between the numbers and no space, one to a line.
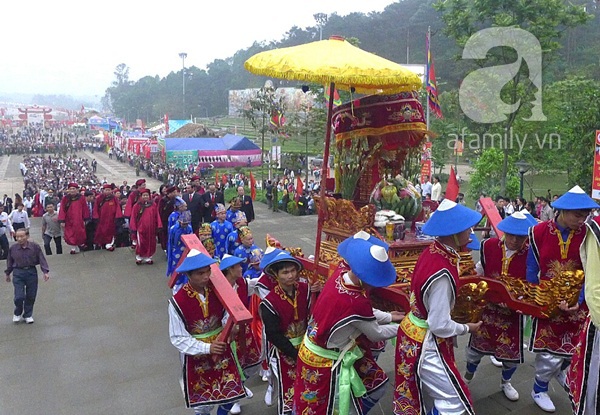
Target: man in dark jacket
(193,199)
(247,205)
(209,200)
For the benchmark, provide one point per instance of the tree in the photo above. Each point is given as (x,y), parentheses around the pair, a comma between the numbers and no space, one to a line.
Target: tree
(260,110)
(574,112)
(546,20)
(487,176)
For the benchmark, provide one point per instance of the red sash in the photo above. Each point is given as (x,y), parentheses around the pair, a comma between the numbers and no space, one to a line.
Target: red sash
(205,381)
(556,335)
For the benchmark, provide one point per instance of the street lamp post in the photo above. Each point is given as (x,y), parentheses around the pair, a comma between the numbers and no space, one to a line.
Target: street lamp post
(183,55)
(523,168)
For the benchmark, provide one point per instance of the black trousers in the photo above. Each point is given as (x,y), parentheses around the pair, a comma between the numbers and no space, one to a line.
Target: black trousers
(57,242)
(3,247)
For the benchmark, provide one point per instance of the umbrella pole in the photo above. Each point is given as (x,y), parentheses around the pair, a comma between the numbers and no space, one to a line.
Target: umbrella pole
(324,169)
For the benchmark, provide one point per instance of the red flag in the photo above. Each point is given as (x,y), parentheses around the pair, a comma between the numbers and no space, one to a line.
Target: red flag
(453,188)
(432,92)
(166,124)
(337,101)
(224,179)
(252,186)
(217,178)
(299,187)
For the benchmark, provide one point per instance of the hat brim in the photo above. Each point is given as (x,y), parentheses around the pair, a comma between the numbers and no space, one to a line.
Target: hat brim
(268,268)
(356,253)
(195,262)
(578,201)
(519,227)
(451,222)
(230,262)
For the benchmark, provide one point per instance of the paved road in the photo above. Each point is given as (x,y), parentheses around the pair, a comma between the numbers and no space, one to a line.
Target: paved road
(100,343)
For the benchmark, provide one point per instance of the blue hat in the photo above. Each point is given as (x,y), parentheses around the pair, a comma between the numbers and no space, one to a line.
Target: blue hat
(517,224)
(195,260)
(575,199)
(368,259)
(229,260)
(185,217)
(281,256)
(450,218)
(270,253)
(239,217)
(474,244)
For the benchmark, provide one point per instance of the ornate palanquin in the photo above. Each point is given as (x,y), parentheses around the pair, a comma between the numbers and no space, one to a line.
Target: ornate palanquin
(342,219)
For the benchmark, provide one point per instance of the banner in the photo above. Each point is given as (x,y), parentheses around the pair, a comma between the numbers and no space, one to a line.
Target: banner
(596,171)
(425,161)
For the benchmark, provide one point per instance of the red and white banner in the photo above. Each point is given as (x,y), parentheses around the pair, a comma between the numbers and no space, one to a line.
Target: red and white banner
(596,171)
(425,161)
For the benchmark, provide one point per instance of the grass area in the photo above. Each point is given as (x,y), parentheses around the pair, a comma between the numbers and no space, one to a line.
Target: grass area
(242,126)
(534,185)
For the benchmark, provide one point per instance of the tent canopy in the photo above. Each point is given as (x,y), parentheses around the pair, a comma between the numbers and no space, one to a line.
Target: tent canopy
(229,142)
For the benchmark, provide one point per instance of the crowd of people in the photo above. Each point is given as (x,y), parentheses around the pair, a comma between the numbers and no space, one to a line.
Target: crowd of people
(323,359)
(317,358)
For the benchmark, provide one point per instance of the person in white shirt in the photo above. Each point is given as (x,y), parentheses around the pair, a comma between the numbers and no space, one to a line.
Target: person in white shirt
(436,189)
(426,186)
(5,229)
(28,203)
(19,218)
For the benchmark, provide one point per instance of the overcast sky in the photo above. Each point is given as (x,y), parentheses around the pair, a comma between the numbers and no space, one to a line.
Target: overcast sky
(72,47)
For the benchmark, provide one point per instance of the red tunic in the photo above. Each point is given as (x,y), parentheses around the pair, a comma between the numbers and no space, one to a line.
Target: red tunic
(145,222)
(293,323)
(131,201)
(315,380)
(249,352)
(501,334)
(73,212)
(206,381)
(433,263)
(106,210)
(557,335)
(165,208)
(579,370)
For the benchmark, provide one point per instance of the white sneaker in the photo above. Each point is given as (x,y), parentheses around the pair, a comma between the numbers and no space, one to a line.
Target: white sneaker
(269,396)
(249,393)
(235,409)
(510,392)
(16,319)
(29,320)
(495,361)
(543,401)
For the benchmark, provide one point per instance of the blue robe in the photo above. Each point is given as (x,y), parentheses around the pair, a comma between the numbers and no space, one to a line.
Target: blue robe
(175,246)
(233,242)
(231,215)
(220,231)
(243,252)
(173,218)
(252,273)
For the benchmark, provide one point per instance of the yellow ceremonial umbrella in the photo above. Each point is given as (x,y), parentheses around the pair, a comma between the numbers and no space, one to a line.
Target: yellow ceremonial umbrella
(340,64)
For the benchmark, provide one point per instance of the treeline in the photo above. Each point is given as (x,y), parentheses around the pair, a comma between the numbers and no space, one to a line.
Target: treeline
(397,33)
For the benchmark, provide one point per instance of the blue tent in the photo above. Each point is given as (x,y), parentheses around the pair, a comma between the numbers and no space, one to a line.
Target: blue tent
(228,151)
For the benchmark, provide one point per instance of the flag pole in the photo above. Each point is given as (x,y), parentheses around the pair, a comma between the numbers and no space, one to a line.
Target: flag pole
(427,52)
